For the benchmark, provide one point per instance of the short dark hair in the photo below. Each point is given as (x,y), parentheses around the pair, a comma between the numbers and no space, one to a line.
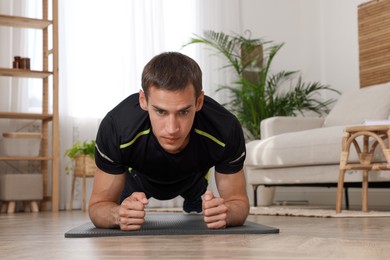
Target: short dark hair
(172,71)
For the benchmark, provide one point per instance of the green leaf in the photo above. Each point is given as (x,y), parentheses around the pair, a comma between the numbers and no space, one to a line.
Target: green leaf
(87,148)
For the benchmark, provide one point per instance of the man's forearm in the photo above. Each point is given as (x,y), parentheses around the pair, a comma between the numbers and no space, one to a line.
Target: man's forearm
(238,211)
(104,215)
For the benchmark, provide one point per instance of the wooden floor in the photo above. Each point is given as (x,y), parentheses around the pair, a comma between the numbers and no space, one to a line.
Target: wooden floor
(41,236)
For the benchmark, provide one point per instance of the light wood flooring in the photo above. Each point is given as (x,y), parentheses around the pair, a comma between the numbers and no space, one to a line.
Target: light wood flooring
(41,236)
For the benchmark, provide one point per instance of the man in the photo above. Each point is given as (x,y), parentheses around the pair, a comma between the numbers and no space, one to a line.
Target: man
(162,143)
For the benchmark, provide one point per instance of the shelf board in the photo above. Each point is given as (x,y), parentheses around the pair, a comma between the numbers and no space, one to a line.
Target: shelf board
(23,22)
(15,115)
(23,73)
(25,158)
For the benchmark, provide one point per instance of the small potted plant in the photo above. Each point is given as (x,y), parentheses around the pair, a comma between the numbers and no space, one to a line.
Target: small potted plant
(83,154)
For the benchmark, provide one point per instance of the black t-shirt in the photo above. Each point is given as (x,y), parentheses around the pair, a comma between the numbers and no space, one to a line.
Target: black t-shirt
(125,141)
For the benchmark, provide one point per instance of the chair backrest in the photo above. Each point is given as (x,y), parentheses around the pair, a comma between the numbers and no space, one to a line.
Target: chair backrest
(354,107)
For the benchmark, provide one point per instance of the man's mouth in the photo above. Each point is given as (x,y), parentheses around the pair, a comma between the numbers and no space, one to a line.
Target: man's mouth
(170,139)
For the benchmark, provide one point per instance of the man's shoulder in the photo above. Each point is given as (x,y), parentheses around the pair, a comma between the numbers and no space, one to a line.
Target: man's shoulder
(216,120)
(222,134)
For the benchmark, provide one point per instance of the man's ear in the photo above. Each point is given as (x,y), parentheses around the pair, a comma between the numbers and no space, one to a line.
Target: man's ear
(199,101)
(142,100)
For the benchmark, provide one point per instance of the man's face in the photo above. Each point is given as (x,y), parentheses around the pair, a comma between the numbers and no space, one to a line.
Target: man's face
(172,115)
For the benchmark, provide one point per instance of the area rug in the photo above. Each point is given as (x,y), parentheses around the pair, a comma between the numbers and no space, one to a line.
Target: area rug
(299,211)
(170,224)
(306,211)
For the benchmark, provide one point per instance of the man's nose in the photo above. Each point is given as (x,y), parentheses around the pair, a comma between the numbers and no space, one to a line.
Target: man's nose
(172,125)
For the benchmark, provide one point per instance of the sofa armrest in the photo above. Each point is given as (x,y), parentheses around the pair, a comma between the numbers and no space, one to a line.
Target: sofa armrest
(283,124)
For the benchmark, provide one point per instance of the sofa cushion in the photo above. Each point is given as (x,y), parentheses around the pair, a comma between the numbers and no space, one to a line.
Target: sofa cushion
(309,147)
(370,103)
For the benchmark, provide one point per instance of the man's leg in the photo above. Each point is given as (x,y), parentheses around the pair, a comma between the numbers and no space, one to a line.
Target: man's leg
(193,197)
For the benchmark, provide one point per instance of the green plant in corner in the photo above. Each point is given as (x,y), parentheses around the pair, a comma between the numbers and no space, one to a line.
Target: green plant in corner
(257,93)
(80,148)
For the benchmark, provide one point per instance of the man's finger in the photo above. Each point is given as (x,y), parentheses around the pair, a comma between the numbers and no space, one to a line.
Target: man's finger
(217,225)
(208,195)
(139,196)
(131,223)
(214,207)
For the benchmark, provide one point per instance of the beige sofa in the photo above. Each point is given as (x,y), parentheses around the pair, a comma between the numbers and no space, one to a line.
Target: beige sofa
(305,151)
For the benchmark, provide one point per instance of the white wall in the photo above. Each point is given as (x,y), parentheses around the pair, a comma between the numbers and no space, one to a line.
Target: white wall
(320,36)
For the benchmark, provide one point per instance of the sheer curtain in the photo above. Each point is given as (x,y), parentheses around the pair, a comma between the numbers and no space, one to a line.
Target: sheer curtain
(19,94)
(104,45)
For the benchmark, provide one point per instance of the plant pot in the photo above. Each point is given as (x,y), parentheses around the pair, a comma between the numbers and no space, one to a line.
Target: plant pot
(84,165)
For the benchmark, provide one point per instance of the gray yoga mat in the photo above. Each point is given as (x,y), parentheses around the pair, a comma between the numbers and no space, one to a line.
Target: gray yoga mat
(170,224)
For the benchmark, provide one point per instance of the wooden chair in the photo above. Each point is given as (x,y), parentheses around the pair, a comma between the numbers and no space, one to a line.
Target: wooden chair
(85,167)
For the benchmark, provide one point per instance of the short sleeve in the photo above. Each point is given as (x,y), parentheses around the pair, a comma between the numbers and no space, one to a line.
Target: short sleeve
(107,152)
(235,153)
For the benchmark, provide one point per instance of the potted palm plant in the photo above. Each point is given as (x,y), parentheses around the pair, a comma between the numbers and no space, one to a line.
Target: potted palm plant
(258,93)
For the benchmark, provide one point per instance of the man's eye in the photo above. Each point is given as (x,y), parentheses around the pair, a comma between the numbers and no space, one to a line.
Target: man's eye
(184,112)
(160,112)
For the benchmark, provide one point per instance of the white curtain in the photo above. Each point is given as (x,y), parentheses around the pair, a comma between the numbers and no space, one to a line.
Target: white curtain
(19,94)
(104,45)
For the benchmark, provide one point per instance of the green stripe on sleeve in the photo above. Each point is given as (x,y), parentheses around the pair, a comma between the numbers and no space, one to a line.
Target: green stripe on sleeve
(210,137)
(135,139)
